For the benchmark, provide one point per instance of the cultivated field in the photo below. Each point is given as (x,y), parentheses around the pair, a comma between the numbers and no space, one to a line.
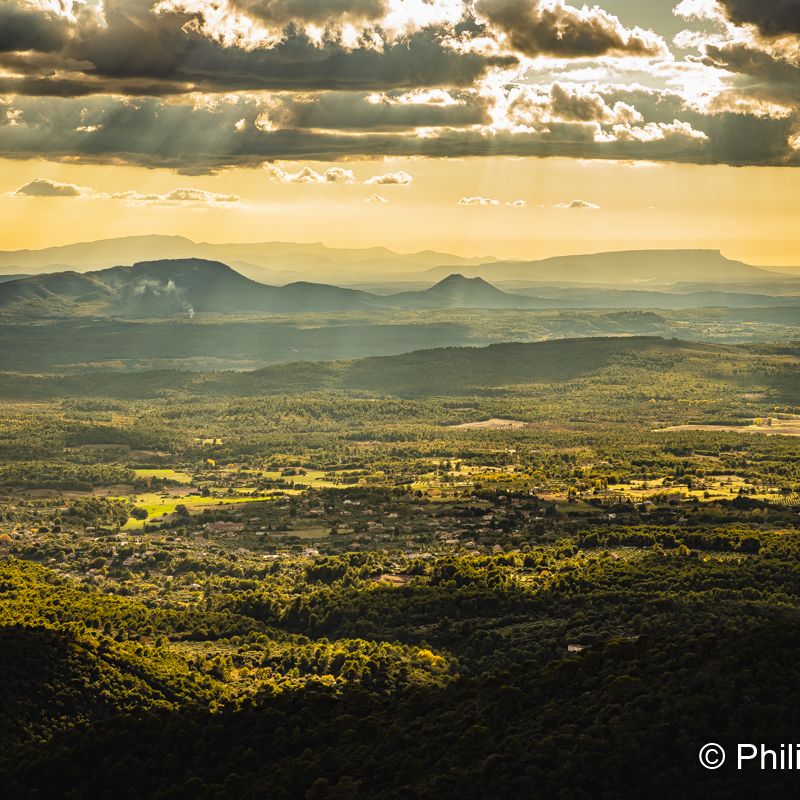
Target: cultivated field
(787,425)
(494,424)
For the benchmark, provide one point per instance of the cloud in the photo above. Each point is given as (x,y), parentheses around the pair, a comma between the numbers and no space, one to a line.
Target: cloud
(241,45)
(238,83)
(308,175)
(478,201)
(156,288)
(398,178)
(578,204)
(193,198)
(336,175)
(304,175)
(486,202)
(756,47)
(200,139)
(542,27)
(42,187)
(575,104)
(152,289)
(362,111)
(339,175)
(376,198)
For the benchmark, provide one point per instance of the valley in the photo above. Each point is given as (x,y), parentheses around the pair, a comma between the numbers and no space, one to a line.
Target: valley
(213,526)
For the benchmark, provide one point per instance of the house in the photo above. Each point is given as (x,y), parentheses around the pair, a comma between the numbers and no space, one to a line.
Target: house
(224,527)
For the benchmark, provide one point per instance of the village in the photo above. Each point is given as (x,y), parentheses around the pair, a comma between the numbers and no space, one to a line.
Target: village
(233,529)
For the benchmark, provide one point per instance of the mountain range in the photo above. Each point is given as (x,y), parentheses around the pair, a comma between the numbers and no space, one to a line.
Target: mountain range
(378,268)
(281,262)
(189,286)
(166,288)
(629,268)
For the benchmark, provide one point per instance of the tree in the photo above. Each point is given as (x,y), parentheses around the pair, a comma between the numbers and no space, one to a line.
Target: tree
(139,513)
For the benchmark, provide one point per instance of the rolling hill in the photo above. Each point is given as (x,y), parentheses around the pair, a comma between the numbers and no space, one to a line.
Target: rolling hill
(188,286)
(459,371)
(497,370)
(57,294)
(168,288)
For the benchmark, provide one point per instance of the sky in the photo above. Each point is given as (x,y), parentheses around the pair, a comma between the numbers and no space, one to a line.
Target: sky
(518,128)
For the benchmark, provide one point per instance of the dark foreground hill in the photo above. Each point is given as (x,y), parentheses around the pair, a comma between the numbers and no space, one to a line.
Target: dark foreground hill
(107,697)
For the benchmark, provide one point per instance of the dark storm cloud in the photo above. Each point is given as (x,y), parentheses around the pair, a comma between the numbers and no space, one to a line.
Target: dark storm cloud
(111,83)
(733,138)
(136,48)
(25,29)
(578,107)
(174,45)
(390,111)
(771,17)
(134,43)
(156,134)
(296,64)
(282,12)
(59,86)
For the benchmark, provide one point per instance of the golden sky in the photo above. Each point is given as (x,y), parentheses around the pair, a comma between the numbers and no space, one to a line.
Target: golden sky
(747,212)
(517,128)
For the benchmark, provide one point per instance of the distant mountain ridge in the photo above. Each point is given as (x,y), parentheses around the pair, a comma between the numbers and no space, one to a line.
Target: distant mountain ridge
(276,261)
(288,262)
(165,288)
(632,268)
(190,286)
